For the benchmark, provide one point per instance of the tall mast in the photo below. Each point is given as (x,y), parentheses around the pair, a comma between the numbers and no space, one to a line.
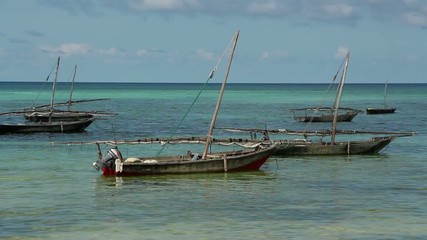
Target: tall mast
(338,97)
(72,87)
(218,104)
(385,94)
(54,85)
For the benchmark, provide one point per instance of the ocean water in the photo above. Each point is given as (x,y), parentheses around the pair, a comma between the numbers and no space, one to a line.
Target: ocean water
(49,190)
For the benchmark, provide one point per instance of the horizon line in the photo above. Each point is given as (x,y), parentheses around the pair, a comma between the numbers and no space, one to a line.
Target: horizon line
(117,82)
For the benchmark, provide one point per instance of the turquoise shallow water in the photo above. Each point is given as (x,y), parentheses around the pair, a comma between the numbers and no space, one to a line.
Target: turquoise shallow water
(52,192)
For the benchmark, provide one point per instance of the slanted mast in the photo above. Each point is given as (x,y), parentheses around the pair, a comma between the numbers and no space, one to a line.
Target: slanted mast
(385,94)
(218,104)
(72,88)
(338,97)
(52,99)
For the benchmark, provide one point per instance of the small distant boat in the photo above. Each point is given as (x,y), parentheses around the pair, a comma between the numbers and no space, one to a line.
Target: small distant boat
(380,110)
(385,109)
(57,127)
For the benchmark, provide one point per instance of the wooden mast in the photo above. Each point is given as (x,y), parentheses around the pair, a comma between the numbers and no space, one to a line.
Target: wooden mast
(72,88)
(385,94)
(52,99)
(218,104)
(338,97)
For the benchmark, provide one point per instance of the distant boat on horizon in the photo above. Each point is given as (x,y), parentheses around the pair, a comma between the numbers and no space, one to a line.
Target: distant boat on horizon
(385,109)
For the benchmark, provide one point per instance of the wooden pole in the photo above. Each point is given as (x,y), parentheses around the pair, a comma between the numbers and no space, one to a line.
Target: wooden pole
(338,97)
(52,99)
(218,104)
(385,94)
(72,87)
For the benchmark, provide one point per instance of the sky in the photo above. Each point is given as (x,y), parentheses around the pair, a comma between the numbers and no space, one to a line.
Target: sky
(170,41)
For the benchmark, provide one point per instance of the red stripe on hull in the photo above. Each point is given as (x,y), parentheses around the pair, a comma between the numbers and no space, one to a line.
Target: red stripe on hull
(253,166)
(108,171)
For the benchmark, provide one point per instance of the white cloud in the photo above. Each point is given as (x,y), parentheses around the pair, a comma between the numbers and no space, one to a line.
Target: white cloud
(204,54)
(265,55)
(277,54)
(415,19)
(164,4)
(141,52)
(410,2)
(337,11)
(341,52)
(300,11)
(340,10)
(109,52)
(269,7)
(412,57)
(68,49)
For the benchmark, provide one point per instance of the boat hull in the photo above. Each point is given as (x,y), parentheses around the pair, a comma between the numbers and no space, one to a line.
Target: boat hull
(60,127)
(293,147)
(346,117)
(380,110)
(247,160)
(324,114)
(57,116)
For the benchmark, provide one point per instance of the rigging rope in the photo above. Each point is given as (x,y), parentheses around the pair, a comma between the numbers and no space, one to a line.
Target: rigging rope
(47,78)
(211,75)
(68,83)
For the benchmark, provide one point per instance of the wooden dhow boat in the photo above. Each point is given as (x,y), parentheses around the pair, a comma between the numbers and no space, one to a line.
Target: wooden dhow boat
(324,114)
(113,164)
(355,147)
(306,146)
(56,127)
(48,119)
(59,115)
(48,113)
